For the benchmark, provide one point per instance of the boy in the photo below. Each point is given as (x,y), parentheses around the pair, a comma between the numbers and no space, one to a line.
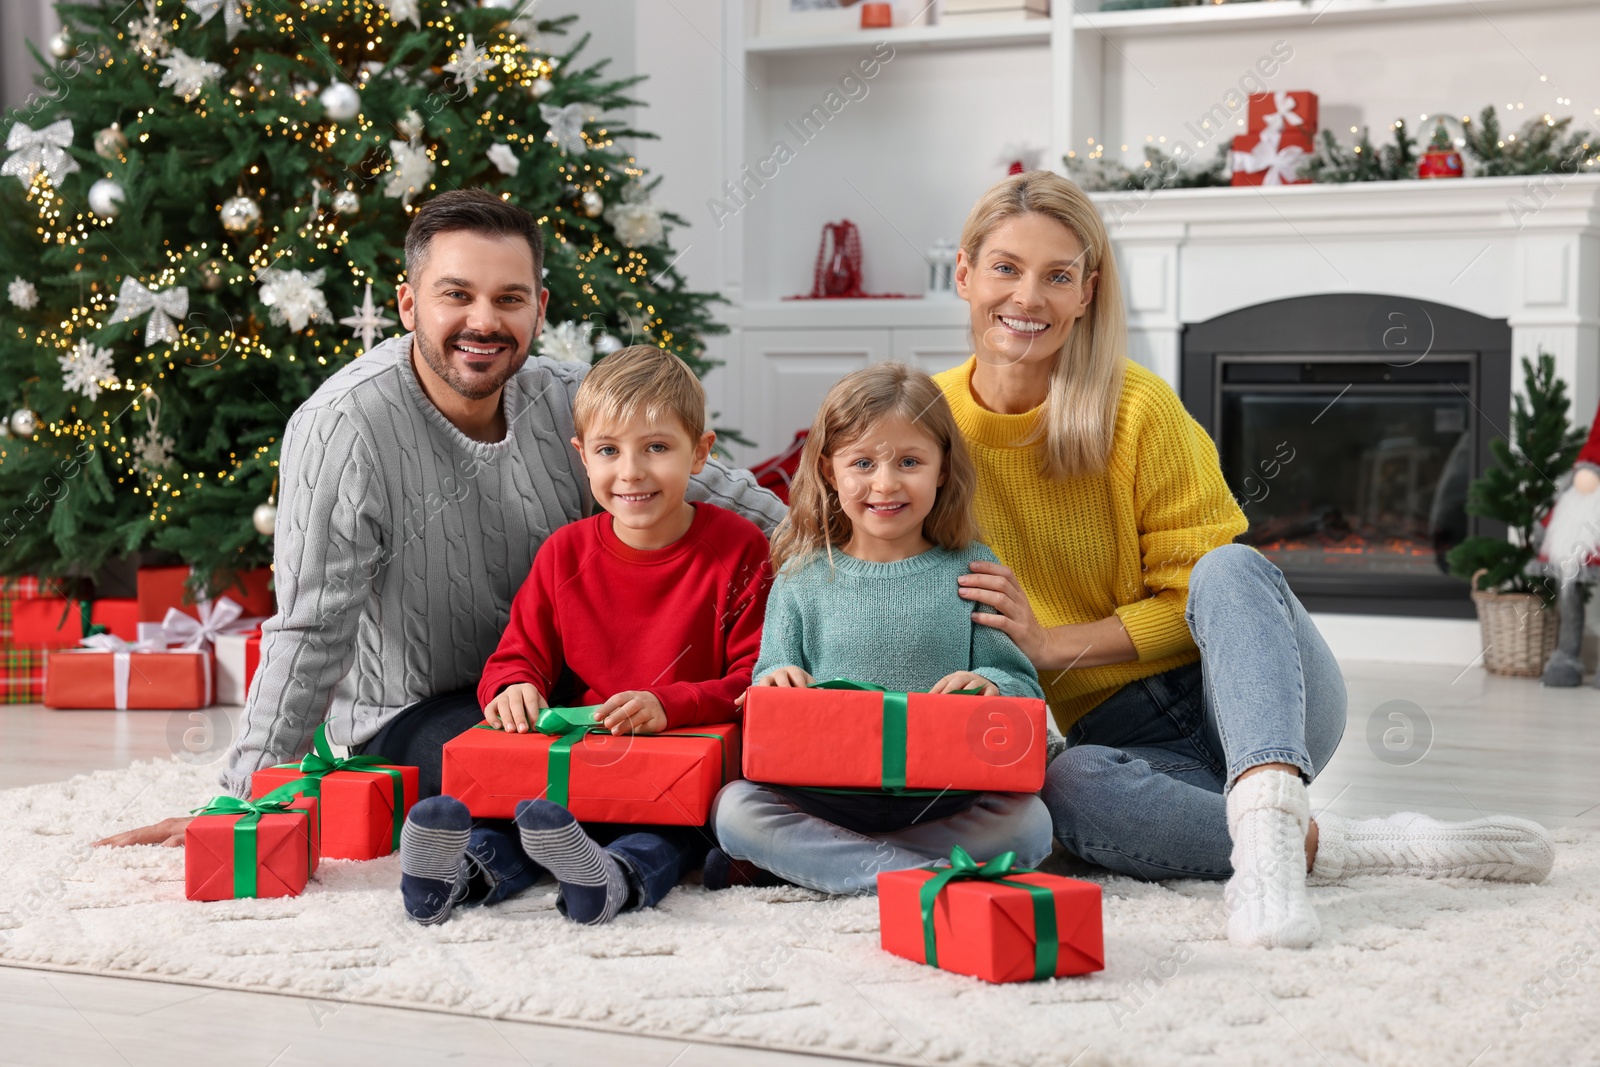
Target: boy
(651,609)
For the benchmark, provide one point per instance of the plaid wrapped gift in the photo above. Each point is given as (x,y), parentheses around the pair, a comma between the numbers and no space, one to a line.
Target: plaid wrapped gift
(21,669)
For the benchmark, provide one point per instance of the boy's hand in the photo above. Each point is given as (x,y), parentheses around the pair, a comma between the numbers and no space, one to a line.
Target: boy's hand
(516,709)
(959,680)
(788,677)
(633,712)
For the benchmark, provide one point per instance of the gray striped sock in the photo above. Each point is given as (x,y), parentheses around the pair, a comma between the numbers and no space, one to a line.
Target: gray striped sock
(593,885)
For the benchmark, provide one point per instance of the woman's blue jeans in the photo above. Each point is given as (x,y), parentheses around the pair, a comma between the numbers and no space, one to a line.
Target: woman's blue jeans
(1141,789)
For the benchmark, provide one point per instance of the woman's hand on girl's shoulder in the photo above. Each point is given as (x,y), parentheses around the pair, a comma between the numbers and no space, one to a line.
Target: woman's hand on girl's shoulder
(956,681)
(996,585)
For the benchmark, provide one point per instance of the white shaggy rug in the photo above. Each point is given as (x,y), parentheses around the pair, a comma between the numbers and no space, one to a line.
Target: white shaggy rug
(1406,972)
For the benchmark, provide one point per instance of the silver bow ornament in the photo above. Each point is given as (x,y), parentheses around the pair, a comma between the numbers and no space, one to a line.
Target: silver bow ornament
(217,617)
(164,307)
(42,149)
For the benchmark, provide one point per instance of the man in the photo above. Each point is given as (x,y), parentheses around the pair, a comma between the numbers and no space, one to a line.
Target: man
(415,487)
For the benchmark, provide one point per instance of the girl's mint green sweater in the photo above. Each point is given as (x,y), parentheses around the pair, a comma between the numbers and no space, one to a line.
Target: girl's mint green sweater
(900,625)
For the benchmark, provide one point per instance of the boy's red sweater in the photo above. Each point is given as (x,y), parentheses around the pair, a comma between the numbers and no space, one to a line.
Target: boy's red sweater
(596,617)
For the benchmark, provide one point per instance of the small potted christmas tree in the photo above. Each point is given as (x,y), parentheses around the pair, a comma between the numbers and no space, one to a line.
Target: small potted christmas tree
(1514,606)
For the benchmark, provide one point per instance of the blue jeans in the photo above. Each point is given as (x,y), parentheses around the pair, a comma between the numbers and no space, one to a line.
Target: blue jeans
(1141,789)
(654,859)
(770,827)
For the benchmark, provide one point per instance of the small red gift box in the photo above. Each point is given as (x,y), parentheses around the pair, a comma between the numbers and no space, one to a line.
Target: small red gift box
(51,623)
(236,665)
(851,738)
(1270,158)
(230,855)
(665,779)
(364,801)
(161,588)
(91,678)
(1290,105)
(1001,926)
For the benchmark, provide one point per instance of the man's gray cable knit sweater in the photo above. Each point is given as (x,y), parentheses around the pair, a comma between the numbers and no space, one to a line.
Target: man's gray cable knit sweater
(401,541)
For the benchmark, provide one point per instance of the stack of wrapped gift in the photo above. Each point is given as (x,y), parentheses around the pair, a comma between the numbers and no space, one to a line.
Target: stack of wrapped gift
(35,618)
(1278,140)
(665,779)
(364,799)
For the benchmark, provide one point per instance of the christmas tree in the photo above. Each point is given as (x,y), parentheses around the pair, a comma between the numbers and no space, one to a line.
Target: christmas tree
(206,218)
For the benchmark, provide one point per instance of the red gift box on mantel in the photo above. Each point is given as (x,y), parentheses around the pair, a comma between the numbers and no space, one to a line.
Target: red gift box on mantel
(132,677)
(846,735)
(665,779)
(161,588)
(236,665)
(997,922)
(1287,109)
(266,848)
(1270,157)
(51,623)
(364,799)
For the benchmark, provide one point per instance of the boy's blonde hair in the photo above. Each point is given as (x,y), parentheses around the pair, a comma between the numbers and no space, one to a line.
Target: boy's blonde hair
(1080,412)
(816,521)
(640,380)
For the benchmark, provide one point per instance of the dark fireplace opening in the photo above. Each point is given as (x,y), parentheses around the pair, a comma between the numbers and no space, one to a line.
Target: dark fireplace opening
(1349,427)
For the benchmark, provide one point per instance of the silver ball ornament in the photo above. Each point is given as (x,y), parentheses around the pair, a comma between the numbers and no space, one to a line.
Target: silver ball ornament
(110,142)
(265,518)
(240,214)
(593,204)
(24,423)
(61,45)
(105,198)
(341,101)
(346,202)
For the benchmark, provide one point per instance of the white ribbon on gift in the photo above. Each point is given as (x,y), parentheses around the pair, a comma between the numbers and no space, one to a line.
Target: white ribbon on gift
(42,149)
(169,304)
(1282,166)
(1285,112)
(217,617)
(122,660)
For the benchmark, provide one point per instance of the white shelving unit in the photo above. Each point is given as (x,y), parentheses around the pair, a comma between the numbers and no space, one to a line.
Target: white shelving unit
(1234,17)
(923,37)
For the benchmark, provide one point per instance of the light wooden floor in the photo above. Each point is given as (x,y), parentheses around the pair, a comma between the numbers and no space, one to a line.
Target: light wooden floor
(1497,744)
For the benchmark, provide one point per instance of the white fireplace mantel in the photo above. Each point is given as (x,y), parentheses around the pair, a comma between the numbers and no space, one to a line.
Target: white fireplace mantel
(1526,250)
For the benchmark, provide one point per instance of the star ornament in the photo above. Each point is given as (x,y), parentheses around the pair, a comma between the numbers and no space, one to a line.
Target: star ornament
(368,321)
(188,75)
(470,64)
(566,127)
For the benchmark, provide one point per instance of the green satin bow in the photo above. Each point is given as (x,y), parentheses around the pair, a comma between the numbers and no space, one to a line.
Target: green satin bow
(321,761)
(1046,938)
(245,852)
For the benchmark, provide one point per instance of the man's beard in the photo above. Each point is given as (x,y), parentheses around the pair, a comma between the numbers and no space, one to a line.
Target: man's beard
(1573,535)
(437,359)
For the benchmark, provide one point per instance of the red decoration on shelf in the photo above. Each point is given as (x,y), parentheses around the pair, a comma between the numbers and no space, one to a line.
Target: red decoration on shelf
(877,16)
(776,473)
(837,275)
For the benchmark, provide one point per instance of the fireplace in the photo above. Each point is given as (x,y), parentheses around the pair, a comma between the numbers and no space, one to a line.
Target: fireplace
(1349,427)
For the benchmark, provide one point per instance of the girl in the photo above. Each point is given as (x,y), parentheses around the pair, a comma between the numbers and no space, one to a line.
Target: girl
(880,526)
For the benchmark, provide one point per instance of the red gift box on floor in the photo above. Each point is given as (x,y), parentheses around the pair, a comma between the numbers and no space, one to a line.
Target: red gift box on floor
(993,922)
(94,678)
(21,669)
(1270,157)
(364,799)
(232,852)
(1286,107)
(836,735)
(665,779)
(51,623)
(161,588)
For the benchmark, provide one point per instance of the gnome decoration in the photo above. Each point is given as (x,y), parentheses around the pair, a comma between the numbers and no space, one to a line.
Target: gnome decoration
(1569,552)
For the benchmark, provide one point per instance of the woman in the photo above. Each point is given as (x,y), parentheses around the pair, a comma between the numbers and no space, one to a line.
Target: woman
(1196,694)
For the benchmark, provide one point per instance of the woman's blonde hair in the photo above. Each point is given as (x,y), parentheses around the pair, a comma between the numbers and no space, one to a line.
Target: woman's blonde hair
(816,520)
(1080,413)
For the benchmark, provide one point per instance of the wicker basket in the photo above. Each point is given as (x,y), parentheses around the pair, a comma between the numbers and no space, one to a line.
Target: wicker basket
(1519,631)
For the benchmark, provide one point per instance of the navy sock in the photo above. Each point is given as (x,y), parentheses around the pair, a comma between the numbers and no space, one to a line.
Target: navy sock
(433,844)
(593,884)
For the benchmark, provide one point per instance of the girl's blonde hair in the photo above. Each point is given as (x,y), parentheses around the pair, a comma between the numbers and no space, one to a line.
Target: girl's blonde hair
(816,521)
(1080,413)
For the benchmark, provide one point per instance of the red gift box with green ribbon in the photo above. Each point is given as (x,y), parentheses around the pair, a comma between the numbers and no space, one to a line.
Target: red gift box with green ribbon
(266,847)
(843,734)
(994,921)
(47,622)
(364,798)
(665,779)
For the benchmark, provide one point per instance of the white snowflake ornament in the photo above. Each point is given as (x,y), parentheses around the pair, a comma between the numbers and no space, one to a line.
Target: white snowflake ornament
(293,297)
(568,342)
(470,64)
(188,75)
(86,369)
(23,294)
(153,453)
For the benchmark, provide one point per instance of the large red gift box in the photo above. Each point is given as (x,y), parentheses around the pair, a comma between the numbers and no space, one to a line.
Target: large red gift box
(161,588)
(1291,104)
(85,678)
(361,811)
(990,929)
(51,623)
(21,667)
(286,854)
(836,738)
(665,779)
(1257,160)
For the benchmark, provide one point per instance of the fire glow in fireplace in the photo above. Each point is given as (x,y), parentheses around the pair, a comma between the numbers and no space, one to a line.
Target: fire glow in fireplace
(1349,427)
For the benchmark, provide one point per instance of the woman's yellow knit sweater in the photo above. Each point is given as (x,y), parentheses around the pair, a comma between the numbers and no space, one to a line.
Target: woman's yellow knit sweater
(1119,543)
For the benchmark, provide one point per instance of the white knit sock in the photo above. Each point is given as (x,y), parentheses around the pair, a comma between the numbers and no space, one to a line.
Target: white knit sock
(1266,899)
(1500,848)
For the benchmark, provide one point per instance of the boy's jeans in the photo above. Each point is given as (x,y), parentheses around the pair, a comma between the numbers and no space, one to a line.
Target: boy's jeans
(769,826)
(1141,789)
(655,859)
